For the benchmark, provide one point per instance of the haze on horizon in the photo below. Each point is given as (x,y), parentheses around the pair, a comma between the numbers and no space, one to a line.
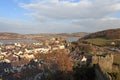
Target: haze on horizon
(58,16)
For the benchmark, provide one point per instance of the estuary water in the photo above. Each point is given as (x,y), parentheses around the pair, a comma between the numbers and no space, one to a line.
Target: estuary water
(69,39)
(14,41)
(72,39)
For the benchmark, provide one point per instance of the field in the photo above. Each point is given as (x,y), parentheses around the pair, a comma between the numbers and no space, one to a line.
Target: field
(98,41)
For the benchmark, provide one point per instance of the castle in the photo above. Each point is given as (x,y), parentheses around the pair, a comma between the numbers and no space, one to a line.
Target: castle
(102,64)
(105,61)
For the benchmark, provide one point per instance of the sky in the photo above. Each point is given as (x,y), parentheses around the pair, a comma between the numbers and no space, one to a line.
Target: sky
(58,16)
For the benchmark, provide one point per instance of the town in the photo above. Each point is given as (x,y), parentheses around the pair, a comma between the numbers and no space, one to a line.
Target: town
(59,59)
(60,40)
(19,56)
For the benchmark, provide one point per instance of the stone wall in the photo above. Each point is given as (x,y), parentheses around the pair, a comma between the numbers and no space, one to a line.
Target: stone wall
(100,75)
(104,61)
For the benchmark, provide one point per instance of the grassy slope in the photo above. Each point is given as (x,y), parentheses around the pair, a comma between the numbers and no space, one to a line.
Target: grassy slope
(98,41)
(103,42)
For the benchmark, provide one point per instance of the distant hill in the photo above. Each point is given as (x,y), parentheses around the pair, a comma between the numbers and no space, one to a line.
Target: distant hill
(106,34)
(6,35)
(77,34)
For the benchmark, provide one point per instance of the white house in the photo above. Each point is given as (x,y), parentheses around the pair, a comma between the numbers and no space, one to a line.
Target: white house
(61,47)
(28,51)
(42,50)
(84,59)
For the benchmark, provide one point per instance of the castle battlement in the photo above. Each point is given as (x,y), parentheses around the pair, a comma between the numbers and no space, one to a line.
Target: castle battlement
(105,61)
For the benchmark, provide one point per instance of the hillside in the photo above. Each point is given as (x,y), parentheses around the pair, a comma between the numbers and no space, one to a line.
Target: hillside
(106,34)
(44,36)
(78,34)
(6,35)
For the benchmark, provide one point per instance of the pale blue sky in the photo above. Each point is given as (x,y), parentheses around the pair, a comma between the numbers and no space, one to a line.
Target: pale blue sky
(57,16)
(10,9)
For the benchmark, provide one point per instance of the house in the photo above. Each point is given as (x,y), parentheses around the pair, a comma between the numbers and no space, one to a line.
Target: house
(9,46)
(19,53)
(61,47)
(83,61)
(4,53)
(43,49)
(29,56)
(17,44)
(38,44)
(1,57)
(55,47)
(28,50)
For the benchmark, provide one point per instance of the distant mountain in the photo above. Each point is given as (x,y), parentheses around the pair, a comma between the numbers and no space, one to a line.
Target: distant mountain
(106,34)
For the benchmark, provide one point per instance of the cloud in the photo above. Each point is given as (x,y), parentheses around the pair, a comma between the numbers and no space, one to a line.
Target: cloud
(93,25)
(86,25)
(86,15)
(30,27)
(66,16)
(55,9)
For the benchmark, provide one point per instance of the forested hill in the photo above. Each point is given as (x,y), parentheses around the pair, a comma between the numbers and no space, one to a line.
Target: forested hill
(106,34)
